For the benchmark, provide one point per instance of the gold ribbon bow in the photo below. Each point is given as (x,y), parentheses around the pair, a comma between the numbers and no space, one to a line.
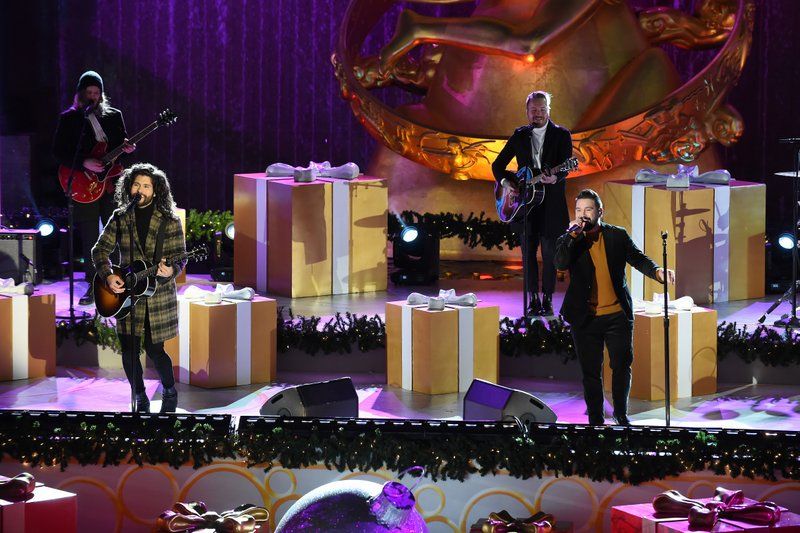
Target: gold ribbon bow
(19,487)
(195,515)
(503,522)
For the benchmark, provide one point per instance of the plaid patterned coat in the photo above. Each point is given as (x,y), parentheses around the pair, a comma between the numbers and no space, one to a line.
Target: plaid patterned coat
(162,307)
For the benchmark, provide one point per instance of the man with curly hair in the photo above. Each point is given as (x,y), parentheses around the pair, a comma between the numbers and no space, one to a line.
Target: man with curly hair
(155,226)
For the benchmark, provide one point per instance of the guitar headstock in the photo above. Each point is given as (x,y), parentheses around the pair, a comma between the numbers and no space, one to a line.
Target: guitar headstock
(570,164)
(198,253)
(167,118)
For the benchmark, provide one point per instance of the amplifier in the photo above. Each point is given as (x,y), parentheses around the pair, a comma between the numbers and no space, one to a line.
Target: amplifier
(20,252)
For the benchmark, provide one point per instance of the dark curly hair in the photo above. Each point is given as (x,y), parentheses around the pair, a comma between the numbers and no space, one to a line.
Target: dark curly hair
(161,190)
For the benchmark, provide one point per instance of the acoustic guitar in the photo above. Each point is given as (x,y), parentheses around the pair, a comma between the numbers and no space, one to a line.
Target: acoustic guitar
(88,186)
(141,275)
(529,193)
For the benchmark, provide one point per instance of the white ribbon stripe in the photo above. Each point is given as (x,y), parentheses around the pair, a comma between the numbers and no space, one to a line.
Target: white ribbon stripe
(341,237)
(20,307)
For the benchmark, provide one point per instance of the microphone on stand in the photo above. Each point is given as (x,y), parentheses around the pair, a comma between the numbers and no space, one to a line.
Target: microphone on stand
(134,200)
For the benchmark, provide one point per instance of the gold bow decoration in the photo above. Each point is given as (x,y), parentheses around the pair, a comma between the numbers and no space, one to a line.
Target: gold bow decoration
(17,488)
(503,522)
(192,516)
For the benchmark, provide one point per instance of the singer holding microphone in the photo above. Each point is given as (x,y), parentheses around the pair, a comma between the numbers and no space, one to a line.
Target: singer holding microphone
(103,124)
(598,304)
(145,205)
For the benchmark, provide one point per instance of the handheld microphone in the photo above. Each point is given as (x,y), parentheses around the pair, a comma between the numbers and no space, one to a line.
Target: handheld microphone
(574,228)
(134,200)
(89,109)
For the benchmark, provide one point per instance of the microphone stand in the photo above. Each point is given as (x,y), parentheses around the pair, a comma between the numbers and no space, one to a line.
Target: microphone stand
(667,395)
(130,286)
(71,228)
(526,249)
(792,321)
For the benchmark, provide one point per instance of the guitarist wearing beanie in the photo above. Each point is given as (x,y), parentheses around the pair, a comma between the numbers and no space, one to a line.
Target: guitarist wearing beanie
(91,114)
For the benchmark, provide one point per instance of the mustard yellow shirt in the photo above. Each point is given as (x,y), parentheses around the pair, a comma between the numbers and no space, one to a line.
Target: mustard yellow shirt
(603,300)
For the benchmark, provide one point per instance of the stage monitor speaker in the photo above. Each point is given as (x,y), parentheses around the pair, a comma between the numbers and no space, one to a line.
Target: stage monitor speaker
(336,398)
(19,255)
(488,401)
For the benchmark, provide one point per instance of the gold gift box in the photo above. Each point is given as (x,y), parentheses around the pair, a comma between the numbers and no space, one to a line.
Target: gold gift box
(648,356)
(41,336)
(368,201)
(688,216)
(435,347)
(213,343)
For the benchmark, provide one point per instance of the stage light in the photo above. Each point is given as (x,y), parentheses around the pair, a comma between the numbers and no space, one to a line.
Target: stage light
(45,227)
(415,255)
(222,256)
(786,241)
(230,230)
(409,234)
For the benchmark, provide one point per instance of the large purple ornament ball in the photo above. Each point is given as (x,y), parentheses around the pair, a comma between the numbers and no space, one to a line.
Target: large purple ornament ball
(354,505)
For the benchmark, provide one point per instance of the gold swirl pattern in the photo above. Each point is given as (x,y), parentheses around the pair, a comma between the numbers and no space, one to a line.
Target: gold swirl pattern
(459,503)
(677,129)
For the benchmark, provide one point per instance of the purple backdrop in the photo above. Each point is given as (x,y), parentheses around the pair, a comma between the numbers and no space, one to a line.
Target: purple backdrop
(252,83)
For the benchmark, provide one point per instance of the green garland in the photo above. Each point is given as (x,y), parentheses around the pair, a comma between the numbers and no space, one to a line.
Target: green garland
(340,334)
(346,333)
(446,451)
(771,347)
(202,225)
(472,230)
(50,439)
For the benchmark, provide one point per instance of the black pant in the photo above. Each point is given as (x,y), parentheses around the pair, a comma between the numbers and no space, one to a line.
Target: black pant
(87,220)
(616,332)
(155,351)
(529,248)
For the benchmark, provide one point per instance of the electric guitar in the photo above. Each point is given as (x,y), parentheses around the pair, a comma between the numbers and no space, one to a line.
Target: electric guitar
(530,191)
(141,275)
(88,186)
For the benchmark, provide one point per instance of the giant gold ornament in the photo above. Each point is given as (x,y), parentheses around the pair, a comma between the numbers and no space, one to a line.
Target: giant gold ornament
(613,87)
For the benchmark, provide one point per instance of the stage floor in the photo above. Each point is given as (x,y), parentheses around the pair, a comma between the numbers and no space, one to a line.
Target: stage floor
(736,405)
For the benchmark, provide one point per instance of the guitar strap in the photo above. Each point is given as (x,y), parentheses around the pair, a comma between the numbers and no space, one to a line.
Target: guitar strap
(159,241)
(99,134)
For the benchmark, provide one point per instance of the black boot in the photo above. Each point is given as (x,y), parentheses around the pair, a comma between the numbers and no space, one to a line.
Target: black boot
(547,305)
(88,297)
(142,402)
(169,400)
(534,306)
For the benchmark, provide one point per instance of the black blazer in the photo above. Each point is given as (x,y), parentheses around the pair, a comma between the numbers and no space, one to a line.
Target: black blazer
(68,132)
(551,218)
(573,254)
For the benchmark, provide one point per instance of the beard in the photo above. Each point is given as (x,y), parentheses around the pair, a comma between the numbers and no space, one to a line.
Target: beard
(589,224)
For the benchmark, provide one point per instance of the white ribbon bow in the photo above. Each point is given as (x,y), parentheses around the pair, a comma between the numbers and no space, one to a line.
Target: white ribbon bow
(220,292)
(347,171)
(7,286)
(448,297)
(684,303)
(683,176)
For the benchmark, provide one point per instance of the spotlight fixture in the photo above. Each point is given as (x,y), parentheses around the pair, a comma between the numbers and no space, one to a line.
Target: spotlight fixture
(415,255)
(409,234)
(230,230)
(222,256)
(45,227)
(786,241)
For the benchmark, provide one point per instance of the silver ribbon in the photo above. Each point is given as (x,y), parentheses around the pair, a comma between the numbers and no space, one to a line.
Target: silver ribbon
(683,177)
(223,291)
(448,297)
(314,170)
